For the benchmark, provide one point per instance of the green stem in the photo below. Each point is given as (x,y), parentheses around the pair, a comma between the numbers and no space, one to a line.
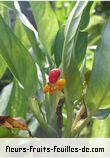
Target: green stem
(43,76)
(49,60)
(43,114)
(36,111)
(46,102)
(70,108)
(69,119)
(53,104)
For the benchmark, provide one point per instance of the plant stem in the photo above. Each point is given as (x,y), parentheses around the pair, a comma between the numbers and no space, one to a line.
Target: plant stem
(53,104)
(69,119)
(36,111)
(46,102)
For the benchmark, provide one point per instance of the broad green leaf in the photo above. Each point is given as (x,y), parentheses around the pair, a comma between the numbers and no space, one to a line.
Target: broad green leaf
(17,104)
(8,4)
(81,46)
(20,33)
(46,22)
(101,128)
(98,87)
(73,88)
(94,29)
(32,35)
(85,16)
(33,125)
(106,102)
(4,98)
(3,67)
(95,20)
(102,114)
(39,55)
(5,13)
(62,10)
(5,132)
(58,46)
(18,59)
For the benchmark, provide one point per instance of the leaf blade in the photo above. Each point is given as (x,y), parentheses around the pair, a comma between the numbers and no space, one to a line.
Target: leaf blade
(73,89)
(18,59)
(44,15)
(99,83)
(58,46)
(17,104)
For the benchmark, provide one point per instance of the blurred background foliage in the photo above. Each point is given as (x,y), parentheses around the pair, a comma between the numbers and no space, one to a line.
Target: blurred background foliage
(100,11)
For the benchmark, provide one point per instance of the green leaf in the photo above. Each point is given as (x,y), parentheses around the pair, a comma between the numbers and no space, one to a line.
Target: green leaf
(46,22)
(4,98)
(5,13)
(81,46)
(98,87)
(3,67)
(101,128)
(39,55)
(106,102)
(62,10)
(94,29)
(8,4)
(85,16)
(18,59)
(5,132)
(17,105)
(73,88)
(20,33)
(58,46)
(32,34)
(102,114)
(36,52)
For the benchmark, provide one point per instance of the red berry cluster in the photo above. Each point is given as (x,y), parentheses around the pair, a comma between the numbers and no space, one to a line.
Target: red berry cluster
(55,84)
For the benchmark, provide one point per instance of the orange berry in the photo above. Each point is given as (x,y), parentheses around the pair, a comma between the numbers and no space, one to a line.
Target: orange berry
(61,82)
(59,88)
(46,88)
(52,90)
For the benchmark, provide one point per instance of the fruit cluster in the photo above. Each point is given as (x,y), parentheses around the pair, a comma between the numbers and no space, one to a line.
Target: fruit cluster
(55,84)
